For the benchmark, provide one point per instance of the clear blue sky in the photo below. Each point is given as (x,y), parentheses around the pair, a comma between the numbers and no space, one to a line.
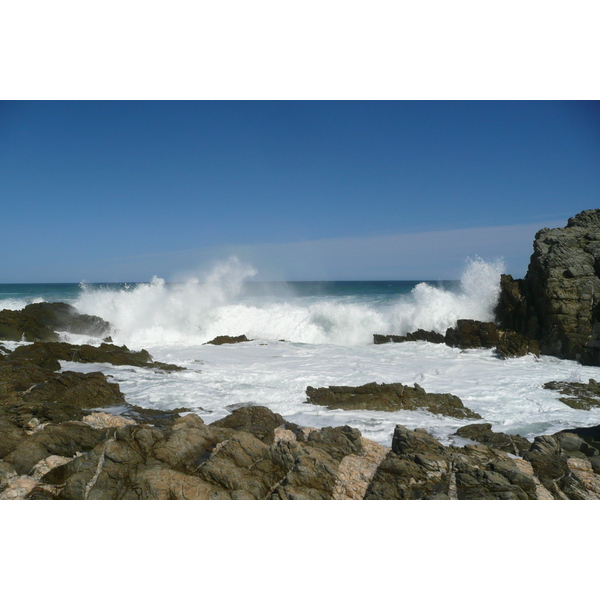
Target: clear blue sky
(122,191)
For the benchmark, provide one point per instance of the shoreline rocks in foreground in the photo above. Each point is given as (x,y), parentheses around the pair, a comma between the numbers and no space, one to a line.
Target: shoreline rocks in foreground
(256,454)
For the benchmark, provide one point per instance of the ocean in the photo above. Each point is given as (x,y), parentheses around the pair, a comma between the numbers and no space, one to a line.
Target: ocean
(315,334)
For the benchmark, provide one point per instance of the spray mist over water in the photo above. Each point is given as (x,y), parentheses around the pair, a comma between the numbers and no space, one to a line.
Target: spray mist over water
(203,307)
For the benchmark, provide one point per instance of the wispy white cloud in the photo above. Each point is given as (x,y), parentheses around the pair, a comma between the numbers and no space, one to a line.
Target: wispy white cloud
(422,255)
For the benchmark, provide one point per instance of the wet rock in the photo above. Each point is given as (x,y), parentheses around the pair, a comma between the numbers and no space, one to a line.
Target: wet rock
(469,333)
(558,301)
(513,345)
(420,335)
(483,434)
(228,339)
(45,352)
(581,396)
(388,397)
(41,321)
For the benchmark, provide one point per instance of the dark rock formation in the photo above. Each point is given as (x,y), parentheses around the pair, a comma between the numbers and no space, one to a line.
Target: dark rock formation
(41,321)
(47,354)
(420,335)
(513,345)
(472,334)
(469,333)
(388,397)
(81,390)
(582,396)
(228,339)
(558,301)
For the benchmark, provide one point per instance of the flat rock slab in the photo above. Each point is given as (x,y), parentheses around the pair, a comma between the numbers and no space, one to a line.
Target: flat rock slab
(389,397)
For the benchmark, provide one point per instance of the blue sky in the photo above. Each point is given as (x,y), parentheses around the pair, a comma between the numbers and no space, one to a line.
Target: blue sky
(122,191)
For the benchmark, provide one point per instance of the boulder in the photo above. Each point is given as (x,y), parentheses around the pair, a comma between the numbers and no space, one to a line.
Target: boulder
(388,397)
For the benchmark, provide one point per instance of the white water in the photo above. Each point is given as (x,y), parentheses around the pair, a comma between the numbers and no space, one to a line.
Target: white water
(328,343)
(198,310)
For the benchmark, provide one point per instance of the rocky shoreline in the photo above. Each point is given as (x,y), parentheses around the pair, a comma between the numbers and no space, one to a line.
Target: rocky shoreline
(68,435)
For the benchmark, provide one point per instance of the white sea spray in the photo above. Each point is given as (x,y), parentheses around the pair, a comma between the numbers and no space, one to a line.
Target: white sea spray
(203,307)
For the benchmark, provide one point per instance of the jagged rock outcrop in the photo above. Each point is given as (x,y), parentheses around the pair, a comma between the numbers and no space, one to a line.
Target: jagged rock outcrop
(47,354)
(189,460)
(41,321)
(562,466)
(388,397)
(558,301)
(469,333)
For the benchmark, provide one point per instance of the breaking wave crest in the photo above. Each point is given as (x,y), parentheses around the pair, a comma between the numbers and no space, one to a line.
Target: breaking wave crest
(216,303)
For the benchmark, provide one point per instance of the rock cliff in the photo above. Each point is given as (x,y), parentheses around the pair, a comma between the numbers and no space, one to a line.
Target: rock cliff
(558,301)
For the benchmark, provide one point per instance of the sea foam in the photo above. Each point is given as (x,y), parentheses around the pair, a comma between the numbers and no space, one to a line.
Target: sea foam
(199,309)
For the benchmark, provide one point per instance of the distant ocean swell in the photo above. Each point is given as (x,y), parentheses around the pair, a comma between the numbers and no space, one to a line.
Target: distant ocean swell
(201,308)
